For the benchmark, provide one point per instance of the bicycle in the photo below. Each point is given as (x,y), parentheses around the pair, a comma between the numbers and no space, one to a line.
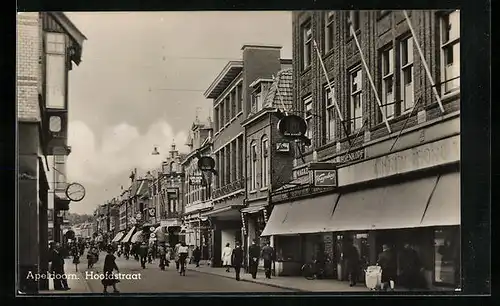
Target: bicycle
(313,270)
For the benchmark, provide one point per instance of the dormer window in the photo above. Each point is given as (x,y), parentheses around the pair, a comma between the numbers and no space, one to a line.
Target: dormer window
(257,100)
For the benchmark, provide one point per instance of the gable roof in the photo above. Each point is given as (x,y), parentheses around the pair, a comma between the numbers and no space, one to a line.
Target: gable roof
(281,91)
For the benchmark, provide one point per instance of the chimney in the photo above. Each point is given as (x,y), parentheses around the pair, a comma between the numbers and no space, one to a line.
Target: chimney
(259,62)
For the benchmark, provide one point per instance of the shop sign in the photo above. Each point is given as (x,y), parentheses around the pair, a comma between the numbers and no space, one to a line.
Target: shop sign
(195,180)
(292,126)
(300,172)
(152,212)
(283,147)
(325,178)
(206,163)
(352,156)
(425,156)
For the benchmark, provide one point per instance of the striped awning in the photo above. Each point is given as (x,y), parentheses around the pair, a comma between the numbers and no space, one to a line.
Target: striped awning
(129,235)
(137,237)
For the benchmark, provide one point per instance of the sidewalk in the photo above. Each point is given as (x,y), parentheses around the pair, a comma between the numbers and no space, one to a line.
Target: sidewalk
(76,280)
(296,283)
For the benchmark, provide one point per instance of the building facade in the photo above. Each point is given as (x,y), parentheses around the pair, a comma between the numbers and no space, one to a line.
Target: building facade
(231,95)
(198,186)
(47,46)
(388,173)
(270,162)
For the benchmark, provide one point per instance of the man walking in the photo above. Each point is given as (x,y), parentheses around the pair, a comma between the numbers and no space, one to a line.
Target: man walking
(176,255)
(253,254)
(387,261)
(268,256)
(163,257)
(143,253)
(57,268)
(183,254)
(237,259)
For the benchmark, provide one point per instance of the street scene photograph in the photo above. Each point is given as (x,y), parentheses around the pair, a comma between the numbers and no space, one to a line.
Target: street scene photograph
(238,152)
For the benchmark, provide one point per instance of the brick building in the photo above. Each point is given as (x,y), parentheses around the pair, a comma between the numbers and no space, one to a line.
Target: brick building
(231,97)
(47,46)
(389,171)
(270,161)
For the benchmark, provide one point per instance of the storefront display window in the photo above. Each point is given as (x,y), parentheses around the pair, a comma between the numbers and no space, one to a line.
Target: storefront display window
(447,256)
(287,248)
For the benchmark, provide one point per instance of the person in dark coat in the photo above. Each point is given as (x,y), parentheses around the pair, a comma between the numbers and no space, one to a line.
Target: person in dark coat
(57,268)
(109,267)
(411,268)
(237,259)
(350,255)
(126,250)
(163,256)
(75,252)
(387,261)
(268,256)
(253,254)
(197,256)
(143,254)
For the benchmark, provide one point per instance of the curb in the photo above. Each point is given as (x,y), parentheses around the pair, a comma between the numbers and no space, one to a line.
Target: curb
(252,281)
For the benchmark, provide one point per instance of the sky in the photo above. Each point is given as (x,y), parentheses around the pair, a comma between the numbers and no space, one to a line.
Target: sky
(141,82)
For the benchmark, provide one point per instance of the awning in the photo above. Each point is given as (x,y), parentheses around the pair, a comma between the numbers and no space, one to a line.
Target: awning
(129,235)
(389,207)
(227,212)
(160,234)
(137,237)
(444,206)
(118,237)
(301,216)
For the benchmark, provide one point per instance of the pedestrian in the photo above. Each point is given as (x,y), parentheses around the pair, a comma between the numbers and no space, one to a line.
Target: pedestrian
(176,255)
(109,266)
(387,261)
(143,254)
(350,255)
(163,257)
(168,255)
(237,259)
(268,256)
(183,254)
(150,254)
(197,256)
(227,252)
(411,269)
(57,268)
(92,256)
(126,250)
(76,257)
(254,254)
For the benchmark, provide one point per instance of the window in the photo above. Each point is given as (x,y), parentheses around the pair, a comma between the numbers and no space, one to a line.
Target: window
(308,116)
(253,169)
(55,46)
(388,82)
(447,256)
(306,44)
(234,103)
(406,54)
(239,97)
(55,43)
(356,109)
(256,102)
(330,113)
(450,52)
(227,104)
(265,162)
(329,31)
(353,20)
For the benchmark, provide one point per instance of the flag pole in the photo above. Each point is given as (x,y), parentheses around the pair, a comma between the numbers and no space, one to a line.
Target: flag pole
(424,62)
(369,76)
(332,92)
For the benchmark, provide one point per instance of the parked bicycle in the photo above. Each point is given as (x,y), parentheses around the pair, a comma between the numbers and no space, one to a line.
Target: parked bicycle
(314,270)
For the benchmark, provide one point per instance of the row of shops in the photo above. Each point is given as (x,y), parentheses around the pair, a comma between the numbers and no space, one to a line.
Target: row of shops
(410,196)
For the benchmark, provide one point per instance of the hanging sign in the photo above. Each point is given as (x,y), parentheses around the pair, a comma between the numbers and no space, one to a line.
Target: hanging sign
(283,147)
(152,212)
(206,163)
(75,192)
(152,229)
(138,216)
(292,126)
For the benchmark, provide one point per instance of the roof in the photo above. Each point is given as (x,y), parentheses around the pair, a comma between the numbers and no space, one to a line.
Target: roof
(225,77)
(280,93)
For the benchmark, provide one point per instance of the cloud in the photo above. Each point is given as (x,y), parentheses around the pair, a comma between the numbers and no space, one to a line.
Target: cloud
(118,150)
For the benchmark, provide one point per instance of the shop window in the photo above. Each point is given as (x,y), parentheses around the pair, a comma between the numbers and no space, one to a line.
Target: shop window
(447,256)
(287,248)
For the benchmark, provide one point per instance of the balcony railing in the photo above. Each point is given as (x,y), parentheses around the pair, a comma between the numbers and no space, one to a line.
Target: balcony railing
(229,188)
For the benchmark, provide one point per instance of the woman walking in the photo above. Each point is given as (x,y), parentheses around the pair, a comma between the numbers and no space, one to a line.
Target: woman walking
(76,257)
(91,257)
(109,267)
(227,253)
